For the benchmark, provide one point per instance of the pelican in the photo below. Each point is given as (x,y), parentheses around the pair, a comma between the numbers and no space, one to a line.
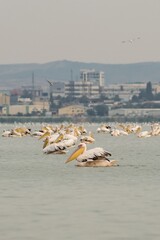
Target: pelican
(144,134)
(22,131)
(87,139)
(6,133)
(104,129)
(155,129)
(82,130)
(37,133)
(96,157)
(57,148)
(118,132)
(14,133)
(60,144)
(49,139)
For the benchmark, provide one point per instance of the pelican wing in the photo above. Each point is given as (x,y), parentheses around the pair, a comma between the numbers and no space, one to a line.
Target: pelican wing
(55,148)
(46,134)
(93,154)
(69,143)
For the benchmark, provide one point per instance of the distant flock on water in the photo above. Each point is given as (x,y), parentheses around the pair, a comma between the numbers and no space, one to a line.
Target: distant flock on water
(59,139)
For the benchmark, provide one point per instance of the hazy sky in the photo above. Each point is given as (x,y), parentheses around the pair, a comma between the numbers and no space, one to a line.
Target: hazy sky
(41,31)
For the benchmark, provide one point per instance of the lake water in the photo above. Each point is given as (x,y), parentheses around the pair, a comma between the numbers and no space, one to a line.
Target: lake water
(42,198)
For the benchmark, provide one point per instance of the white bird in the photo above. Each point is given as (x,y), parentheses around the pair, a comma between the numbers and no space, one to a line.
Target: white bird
(144,134)
(96,157)
(118,132)
(104,129)
(37,133)
(130,40)
(6,133)
(57,148)
(115,132)
(87,139)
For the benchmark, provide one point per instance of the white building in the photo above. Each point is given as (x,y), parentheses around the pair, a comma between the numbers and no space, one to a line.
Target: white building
(57,89)
(124,91)
(135,112)
(90,75)
(91,84)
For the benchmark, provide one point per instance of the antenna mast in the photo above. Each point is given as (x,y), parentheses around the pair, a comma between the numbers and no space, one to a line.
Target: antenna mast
(33,87)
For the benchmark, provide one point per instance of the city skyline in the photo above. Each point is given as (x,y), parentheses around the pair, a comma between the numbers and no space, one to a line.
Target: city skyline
(104,31)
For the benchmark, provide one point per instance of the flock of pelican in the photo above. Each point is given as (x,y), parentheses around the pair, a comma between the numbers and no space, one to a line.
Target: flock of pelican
(126,129)
(59,140)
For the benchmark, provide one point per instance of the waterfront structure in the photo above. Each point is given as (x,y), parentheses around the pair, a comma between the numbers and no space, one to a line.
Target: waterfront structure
(126,91)
(135,112)
(39,107)
(72,110)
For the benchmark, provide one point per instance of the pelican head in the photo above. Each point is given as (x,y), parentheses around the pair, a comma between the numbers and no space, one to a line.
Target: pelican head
(80,149)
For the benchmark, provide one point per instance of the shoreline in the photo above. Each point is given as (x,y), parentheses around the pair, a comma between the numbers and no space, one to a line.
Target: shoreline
(83,119)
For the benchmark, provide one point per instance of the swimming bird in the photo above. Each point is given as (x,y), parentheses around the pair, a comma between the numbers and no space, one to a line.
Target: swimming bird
(144,134)
(60,144)
(57,148)
(6,133)
(104,129)
(87,139)
(96,157)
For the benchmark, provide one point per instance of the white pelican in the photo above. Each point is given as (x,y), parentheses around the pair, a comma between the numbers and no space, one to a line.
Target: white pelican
(6,133)
(118,132)
(96,157)
(50,139)
(14,133)
(155,129)
(23,131)
(60,145)
(144,134)
(58,148)
(104,129)
(82,130)
(87,139)
(37,133)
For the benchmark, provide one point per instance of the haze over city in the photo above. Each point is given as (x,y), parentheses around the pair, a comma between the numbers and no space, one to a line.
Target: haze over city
(104,31)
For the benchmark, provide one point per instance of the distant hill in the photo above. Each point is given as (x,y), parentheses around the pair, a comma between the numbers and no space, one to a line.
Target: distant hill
(15,75)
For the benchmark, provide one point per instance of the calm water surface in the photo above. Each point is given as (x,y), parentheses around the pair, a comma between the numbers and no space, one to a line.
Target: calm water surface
(41,198)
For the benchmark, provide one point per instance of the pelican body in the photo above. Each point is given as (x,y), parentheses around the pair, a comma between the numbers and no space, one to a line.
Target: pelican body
(57,148)
(97,163)
(96,157)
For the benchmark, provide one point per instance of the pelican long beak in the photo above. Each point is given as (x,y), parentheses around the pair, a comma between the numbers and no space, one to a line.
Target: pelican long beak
(76,134)
(138,130)
(59,138)
(46,142)
(91,135)
(75,154)
(46,134)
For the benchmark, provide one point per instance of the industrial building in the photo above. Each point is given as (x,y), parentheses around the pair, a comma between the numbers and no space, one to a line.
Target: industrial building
(91,83)
(72,110)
